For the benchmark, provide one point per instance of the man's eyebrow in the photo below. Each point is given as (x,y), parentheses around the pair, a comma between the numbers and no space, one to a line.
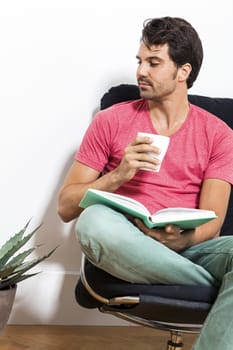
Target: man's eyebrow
(150,58)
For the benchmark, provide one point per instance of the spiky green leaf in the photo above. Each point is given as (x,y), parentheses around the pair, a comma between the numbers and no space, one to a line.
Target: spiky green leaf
(18,259)
(13,266)
(29,265)
(14,280)
(15,246)
(12,241)
(17,271)
(14,263)
(7,271)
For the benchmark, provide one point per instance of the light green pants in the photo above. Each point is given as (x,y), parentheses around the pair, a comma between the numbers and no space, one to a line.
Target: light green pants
(115,245)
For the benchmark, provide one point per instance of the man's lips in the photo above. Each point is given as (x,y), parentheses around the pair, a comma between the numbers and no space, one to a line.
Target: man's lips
(142,83)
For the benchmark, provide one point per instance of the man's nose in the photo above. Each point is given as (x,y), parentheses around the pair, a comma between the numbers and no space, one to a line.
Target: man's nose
(142,70)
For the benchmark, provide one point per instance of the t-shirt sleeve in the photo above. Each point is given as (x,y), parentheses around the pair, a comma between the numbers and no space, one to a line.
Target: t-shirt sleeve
(221,159)
(95,147)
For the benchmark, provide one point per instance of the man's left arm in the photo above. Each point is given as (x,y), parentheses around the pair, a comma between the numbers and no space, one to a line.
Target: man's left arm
(214,196)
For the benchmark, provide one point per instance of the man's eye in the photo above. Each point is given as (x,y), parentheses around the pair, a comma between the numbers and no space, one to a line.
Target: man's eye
(153,64)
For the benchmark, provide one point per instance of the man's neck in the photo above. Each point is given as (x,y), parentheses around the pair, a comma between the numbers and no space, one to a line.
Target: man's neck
(168,116)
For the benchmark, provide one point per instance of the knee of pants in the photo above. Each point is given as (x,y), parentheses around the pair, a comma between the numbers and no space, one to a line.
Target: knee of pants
(95,225)
(88,220)
(96,231)
(100,228)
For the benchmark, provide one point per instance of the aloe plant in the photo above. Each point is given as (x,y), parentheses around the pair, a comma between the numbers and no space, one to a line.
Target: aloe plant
(13,266)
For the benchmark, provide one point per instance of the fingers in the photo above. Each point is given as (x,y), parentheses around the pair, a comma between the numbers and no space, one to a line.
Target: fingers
(171,236)
(146,141)
(141,225)
(170,232)
(137,155)
(173,230)
(158,234)
(141,154)
(143,145)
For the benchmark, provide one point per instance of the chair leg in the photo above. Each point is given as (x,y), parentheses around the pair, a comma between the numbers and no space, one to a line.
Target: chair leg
(175,342)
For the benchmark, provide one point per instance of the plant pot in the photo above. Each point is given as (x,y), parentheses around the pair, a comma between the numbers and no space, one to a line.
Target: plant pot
(7,297)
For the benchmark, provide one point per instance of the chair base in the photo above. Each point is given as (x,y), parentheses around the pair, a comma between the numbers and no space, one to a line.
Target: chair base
(164,326)
(142,304)
(175,343)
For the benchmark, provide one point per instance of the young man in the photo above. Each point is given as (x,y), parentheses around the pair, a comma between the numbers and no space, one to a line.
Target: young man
(196,172)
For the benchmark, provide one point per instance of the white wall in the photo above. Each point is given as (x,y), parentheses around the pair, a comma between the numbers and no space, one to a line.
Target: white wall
(57,57)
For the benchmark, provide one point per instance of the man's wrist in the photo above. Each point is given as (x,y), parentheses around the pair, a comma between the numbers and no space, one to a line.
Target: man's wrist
(116,178)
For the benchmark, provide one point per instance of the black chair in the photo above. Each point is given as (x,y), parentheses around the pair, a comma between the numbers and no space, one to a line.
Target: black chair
(175,308)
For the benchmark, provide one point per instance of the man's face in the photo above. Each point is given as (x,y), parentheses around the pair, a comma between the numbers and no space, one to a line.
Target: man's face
(156,72)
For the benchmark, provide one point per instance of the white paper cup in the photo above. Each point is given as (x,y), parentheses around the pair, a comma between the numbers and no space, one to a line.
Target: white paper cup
(159,141)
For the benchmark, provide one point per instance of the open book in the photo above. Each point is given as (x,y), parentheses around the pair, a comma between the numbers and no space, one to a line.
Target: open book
(185,218)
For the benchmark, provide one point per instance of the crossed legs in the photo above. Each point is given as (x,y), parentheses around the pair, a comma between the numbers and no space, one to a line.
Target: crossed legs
(115,245)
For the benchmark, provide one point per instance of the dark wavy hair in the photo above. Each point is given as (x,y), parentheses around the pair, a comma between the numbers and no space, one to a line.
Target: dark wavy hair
(184,44)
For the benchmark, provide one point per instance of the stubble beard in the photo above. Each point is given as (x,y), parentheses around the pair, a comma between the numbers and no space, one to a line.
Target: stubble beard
(152,95)
(156,95)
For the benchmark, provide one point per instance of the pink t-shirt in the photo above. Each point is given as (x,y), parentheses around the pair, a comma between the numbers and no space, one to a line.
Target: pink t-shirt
(200,149)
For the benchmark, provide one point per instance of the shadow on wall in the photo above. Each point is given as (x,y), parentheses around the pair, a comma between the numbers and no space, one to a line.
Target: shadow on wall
(66,259)
(49,296)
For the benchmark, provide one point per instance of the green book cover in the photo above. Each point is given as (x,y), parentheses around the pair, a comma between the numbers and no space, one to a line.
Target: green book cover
(185,218)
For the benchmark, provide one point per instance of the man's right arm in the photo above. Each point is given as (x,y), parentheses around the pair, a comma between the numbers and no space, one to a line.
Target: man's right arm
(79,178)
(82,177)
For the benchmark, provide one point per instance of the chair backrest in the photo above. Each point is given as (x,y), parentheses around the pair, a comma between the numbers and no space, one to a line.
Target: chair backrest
(219,106)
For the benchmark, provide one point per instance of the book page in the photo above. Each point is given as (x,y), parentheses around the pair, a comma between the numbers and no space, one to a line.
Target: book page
(129,202)
(182,213)
(118,200)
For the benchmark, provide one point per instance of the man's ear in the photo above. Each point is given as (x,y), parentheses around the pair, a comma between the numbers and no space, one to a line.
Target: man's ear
(184,72)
